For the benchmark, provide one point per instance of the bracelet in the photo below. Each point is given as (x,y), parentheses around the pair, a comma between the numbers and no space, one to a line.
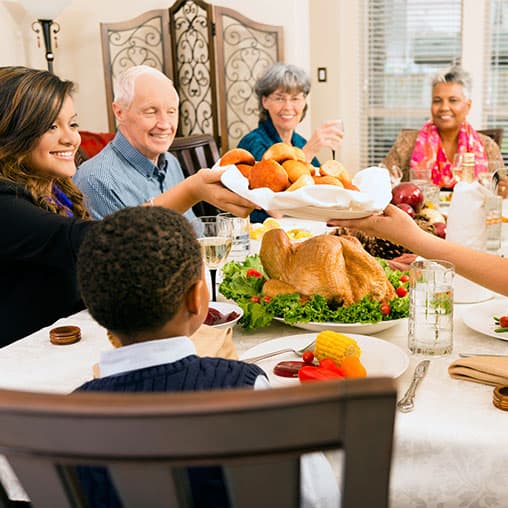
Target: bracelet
(151,202)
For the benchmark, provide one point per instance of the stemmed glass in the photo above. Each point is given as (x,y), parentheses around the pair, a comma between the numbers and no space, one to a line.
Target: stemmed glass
(215,237)
(340,125)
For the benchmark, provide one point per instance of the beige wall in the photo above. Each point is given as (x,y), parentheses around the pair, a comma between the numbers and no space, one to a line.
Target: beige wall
(79,58)
(334,28)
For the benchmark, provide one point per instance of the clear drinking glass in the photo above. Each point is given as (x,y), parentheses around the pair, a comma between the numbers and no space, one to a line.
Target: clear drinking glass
(431,307)
(241,234)
(216,238)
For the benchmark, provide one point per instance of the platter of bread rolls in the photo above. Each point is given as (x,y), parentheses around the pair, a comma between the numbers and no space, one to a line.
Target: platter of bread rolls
(283,182)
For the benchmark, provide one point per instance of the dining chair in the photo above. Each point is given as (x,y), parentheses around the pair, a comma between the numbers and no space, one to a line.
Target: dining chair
(145,439)
(495,133)
(193,153)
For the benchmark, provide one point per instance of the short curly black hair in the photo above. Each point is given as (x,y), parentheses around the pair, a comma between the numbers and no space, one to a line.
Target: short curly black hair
(135,266)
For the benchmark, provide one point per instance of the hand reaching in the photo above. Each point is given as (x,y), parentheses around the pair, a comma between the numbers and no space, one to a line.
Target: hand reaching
(327,135)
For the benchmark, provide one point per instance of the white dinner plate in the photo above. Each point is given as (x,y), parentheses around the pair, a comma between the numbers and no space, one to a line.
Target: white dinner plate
(379,357)
(479,317)
(365,328)
(225,308)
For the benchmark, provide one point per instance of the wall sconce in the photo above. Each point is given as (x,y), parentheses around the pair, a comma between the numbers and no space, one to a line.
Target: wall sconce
(45,12)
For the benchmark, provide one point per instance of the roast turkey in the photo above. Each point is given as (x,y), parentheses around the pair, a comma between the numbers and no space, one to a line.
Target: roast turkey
(335,267)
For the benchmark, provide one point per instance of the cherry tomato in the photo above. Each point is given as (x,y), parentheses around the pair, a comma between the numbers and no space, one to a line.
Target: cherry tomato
(401,291)
(308,356)
(254,273)
(385,309)
(255,299)
(503,321)
(267,299)
(404,278)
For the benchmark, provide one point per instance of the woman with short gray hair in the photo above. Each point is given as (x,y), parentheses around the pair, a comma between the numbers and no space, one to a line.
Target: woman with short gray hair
(282,93)
(446,134)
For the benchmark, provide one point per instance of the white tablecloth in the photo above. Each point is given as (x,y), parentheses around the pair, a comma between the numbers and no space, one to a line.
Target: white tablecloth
(450,452)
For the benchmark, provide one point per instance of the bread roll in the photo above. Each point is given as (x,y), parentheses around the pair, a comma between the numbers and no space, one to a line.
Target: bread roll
(280,152)
(300,155)
(333,168)
(327,180)
(295,169)
(244,169)
(237,156)
(268,173)
(303,181)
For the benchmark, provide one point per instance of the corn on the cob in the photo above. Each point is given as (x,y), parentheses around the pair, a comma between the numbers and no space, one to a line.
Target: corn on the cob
(335,346)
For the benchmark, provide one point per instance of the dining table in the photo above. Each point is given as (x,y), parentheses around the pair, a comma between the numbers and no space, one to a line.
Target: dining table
(451,451)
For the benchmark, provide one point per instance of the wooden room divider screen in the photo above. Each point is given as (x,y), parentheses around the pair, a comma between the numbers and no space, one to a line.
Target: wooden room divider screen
(213,54)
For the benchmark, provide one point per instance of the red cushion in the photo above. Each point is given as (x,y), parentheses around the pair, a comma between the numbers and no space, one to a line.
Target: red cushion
(93,142)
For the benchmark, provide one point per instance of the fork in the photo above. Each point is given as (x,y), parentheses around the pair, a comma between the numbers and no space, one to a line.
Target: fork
(298,352)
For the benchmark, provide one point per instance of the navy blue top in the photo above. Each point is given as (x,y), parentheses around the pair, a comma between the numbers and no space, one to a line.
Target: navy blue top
(257,143)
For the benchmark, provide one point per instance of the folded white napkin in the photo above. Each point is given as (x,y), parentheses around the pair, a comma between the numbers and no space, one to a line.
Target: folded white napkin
(319,201)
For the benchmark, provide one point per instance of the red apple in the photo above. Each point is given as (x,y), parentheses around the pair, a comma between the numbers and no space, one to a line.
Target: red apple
(408,209)
(408,193)
(440,229)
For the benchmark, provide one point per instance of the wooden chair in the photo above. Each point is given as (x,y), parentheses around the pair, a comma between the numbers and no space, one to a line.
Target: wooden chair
(496,134)
(145,439)
(194,153)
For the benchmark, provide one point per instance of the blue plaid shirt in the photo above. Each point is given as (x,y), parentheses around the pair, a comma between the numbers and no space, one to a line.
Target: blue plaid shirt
(119,176)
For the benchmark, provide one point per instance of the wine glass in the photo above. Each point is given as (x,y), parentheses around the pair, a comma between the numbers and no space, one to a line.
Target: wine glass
(340,125)
(487,174)
(215,237)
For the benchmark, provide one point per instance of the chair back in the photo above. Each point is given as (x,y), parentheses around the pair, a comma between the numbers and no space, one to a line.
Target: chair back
(194,153)
(145,439)
(496,134)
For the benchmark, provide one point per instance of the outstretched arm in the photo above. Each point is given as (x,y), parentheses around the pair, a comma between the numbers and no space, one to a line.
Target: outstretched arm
(205,185)
(396,226)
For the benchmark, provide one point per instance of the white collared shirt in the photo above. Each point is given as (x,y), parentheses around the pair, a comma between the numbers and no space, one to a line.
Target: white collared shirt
(151,353)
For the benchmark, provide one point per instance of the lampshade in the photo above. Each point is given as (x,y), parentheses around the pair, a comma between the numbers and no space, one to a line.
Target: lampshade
(44,9)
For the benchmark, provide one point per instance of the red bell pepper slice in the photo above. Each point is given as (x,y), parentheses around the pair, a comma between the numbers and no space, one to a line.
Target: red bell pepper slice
(312,373)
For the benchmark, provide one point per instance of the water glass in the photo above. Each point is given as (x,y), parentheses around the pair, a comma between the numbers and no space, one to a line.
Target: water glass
(241,234)
(494,219)
(431,307)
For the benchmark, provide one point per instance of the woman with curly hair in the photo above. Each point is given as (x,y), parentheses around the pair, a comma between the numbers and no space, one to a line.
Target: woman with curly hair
(42,215)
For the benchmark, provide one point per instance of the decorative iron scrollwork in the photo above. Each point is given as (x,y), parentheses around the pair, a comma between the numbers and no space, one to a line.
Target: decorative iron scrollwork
(138,46)
(247,53)
(193,72)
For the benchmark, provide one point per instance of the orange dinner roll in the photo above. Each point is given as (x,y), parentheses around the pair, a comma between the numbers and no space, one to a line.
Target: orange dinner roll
(333,168)
(268,173)
(328,180)
(295,169)
(303,181)
(300,155)
(237,156)
(244,169)
(280,152)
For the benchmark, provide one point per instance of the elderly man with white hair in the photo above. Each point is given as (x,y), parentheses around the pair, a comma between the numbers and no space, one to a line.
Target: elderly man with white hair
(135,168)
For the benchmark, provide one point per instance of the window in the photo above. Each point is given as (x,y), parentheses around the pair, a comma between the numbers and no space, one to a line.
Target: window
(496,89)
(406,42)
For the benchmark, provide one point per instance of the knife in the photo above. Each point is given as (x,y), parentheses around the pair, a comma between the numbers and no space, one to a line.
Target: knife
(468,355)
(406,404)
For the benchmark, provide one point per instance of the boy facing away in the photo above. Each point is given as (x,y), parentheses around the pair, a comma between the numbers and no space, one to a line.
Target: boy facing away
(142,277)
